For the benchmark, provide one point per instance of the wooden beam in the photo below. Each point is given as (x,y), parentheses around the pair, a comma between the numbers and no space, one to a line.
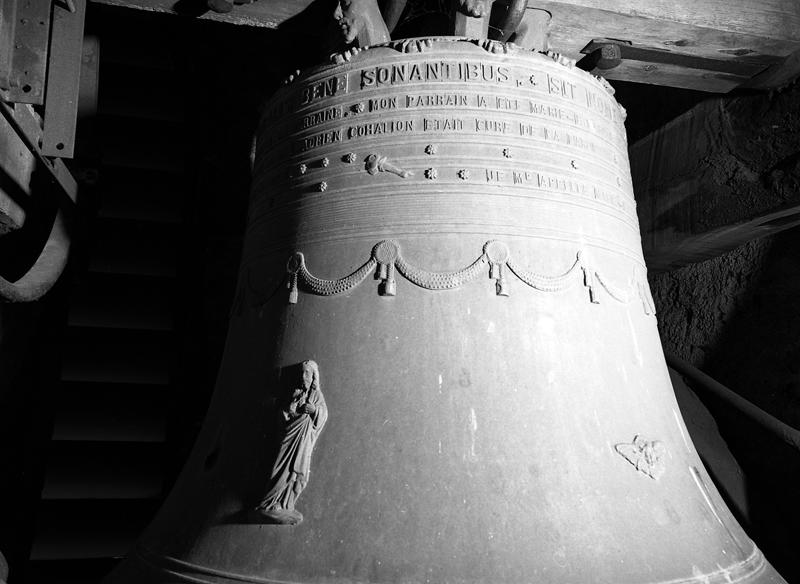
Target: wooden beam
(734,29)
(725,172)
(673,76)
(740,31)
(269,14)
(779,75)
(572,29)
(673,251)
(777,19)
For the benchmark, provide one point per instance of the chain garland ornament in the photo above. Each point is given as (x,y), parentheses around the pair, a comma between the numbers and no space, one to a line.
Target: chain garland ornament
(386,259)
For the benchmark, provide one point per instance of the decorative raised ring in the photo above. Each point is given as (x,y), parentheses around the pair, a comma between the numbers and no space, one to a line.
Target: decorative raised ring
(295,262)
(385,252)
(496,251)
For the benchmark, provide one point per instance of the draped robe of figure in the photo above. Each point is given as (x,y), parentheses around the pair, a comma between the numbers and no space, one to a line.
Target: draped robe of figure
(293,462)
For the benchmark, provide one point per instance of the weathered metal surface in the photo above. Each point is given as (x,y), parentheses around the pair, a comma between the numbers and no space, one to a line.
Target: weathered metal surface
(45,270)
(32,184)
(24,38)
(3,569)
(63,80)
(28,126)
(16,168)
(448,230)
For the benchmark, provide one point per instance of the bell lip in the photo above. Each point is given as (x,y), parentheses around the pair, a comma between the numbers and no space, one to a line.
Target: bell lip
(755,569)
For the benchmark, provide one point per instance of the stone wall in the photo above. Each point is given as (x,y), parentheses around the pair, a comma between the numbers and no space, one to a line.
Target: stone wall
(737,317)
(695,303)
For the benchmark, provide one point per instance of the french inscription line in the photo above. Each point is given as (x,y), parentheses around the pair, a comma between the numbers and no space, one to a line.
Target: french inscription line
(548,117)
(319,124)
(421,104)
(576,139)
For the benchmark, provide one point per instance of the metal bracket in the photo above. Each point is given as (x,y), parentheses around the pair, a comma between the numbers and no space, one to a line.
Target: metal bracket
(605,54)
(63,79)
(28,126)
(24,39)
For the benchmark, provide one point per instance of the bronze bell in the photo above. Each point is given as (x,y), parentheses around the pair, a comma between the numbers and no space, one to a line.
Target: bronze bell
(443,364)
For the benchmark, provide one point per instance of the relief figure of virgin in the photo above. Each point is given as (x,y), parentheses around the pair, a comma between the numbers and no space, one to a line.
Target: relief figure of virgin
(304,414)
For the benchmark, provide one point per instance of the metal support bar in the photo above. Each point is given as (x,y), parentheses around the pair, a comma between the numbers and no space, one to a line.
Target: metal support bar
(63,80)
(24,35)
(16,168)
(28,126)
(699,380)
(45,271)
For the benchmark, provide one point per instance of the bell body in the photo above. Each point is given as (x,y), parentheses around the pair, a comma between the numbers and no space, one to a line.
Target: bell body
(443,364)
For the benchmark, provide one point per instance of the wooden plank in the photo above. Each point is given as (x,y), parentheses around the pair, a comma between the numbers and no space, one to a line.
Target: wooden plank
(703,188)
(264,14)
(759,21)
(778,75)
(672,76)
(665,252)
(777,19)
(740,32)
(571,29)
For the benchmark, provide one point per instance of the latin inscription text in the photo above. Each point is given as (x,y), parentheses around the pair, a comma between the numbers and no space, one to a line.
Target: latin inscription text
(400,73)
(326,88)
